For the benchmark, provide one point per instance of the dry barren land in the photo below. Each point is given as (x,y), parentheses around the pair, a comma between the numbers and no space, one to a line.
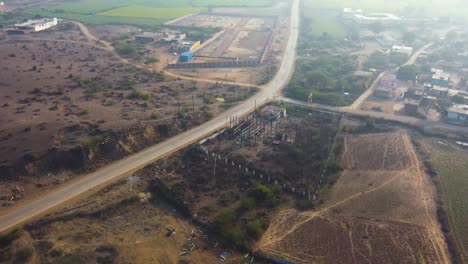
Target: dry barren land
(381,210)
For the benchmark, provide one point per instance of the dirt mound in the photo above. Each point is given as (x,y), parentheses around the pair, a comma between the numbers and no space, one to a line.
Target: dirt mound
(381,210)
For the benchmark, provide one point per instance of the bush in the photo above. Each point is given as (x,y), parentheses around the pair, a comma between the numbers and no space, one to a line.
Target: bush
(7,239)
(248,202)
(154,116)
(136,94)
(261,193)
(304,204)
(24,254)
(235,233)
(127,49)
(254,228)
(407,73)
(225,218)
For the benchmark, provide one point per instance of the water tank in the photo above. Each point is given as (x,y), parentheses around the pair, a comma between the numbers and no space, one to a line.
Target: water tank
(186,56)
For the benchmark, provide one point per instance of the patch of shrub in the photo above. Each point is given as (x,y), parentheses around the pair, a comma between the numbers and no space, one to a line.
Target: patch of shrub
(24,254)
(7,239)
(254,228)
(261,193)
(137,94)
(248,202)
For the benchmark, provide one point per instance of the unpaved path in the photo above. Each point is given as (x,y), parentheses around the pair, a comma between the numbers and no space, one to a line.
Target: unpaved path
(130,164)
(400,155)
(112,50)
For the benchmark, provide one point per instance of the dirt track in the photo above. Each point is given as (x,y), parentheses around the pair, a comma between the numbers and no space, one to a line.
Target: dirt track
(383,202)
(112,50)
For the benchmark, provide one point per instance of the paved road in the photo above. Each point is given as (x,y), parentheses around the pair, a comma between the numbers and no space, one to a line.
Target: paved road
(139,160)
(371,89)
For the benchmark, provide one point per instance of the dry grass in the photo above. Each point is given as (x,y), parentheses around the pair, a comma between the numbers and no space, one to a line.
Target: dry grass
(381,210)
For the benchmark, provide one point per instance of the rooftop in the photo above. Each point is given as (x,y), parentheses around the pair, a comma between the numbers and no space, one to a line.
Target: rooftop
(441,76)
(150,34)
(402,48)
(33,22)
(440,88)
(377,16)
(459,109)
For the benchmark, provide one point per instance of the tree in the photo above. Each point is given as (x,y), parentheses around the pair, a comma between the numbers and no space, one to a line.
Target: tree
(319,80)
(451,36)
(376,27)
(254,228)
(127,49)
(409,37)
(377,60)
(398,58)
(262,193)
(407,73)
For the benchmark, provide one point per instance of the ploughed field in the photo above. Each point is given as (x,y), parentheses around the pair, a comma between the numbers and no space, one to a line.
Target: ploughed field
(381,210)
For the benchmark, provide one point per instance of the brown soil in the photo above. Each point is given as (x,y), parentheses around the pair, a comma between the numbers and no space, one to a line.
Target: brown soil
(381,210)
(122,223)
(64,94)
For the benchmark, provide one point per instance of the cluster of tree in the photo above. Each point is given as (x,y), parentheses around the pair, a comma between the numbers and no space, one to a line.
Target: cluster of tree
(228,220)
(126,49)
(381,60)
(325,79)
(407,73)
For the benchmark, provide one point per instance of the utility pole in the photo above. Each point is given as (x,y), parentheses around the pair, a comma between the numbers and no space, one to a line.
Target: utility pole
(214,168)
(178,105)
(203,108)
(193,103)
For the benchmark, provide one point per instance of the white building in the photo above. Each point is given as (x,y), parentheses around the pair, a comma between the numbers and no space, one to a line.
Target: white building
(402,50)
(371,18)
(37,24)
(349,12)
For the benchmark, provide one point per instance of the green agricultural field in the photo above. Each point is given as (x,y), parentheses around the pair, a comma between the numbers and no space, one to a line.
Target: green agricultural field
(233,2)
(137,11)
(451,165)
(150,13)
(94,7)
(324,21)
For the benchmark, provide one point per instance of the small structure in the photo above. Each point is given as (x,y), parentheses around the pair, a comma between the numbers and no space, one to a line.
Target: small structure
(224,256)
(439,92)
(148,37)
(458,112)
(402,50)
(37,25)
(273,113)
(386,40)
(384,92)
(371,18)
(412,106)
(441,78)
(171,38)
(185,45)
(186,57)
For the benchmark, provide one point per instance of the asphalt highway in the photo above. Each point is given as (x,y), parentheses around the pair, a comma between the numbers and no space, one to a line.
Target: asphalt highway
(129,165)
